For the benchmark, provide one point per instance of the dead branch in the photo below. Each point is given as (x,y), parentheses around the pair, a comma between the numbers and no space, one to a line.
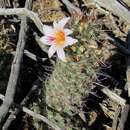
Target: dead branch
(13,114)
(118,43)
(4,3)
(15,69)
(100,9)
(116,8)
(40,117)
(111,94)
(124,115)
(128,65)
(23,12)
(72,8)
(116,117)
(35,115)
(31,56)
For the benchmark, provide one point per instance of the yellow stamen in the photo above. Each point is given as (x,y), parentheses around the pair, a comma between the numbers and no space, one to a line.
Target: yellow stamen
(60,38)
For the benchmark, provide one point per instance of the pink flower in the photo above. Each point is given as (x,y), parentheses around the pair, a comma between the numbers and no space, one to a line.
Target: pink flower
(57,37)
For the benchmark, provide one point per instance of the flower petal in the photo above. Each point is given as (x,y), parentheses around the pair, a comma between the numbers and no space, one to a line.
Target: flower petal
(70,41)
(63,21)
(51,51)
(48,30)
(61,54)
(45,40)
(55,25)
(68,31)
(60,25)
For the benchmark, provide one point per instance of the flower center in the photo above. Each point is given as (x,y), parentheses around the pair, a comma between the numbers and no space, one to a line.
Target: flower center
(60,38)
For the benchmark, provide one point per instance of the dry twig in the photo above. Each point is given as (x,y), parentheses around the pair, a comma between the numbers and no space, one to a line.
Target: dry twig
(40,117)
(23,12)
(116,8)
(35,115)
(4,3)
(124,115)
(72,8)
(115,120)
(111,94)
(118,43)
(128,65)
(15,69)
(31,56)
(13,114)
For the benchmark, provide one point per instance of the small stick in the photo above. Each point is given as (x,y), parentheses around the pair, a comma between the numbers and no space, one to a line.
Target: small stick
(31,56)
(118,44)
(72,8)
(35,115)
(116,8)
(111,95)
(40,117)
(13,114)
(128,65)
(100,9)
(4,3)
(115,120)
(15,69)
(23,12)
(124,115)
